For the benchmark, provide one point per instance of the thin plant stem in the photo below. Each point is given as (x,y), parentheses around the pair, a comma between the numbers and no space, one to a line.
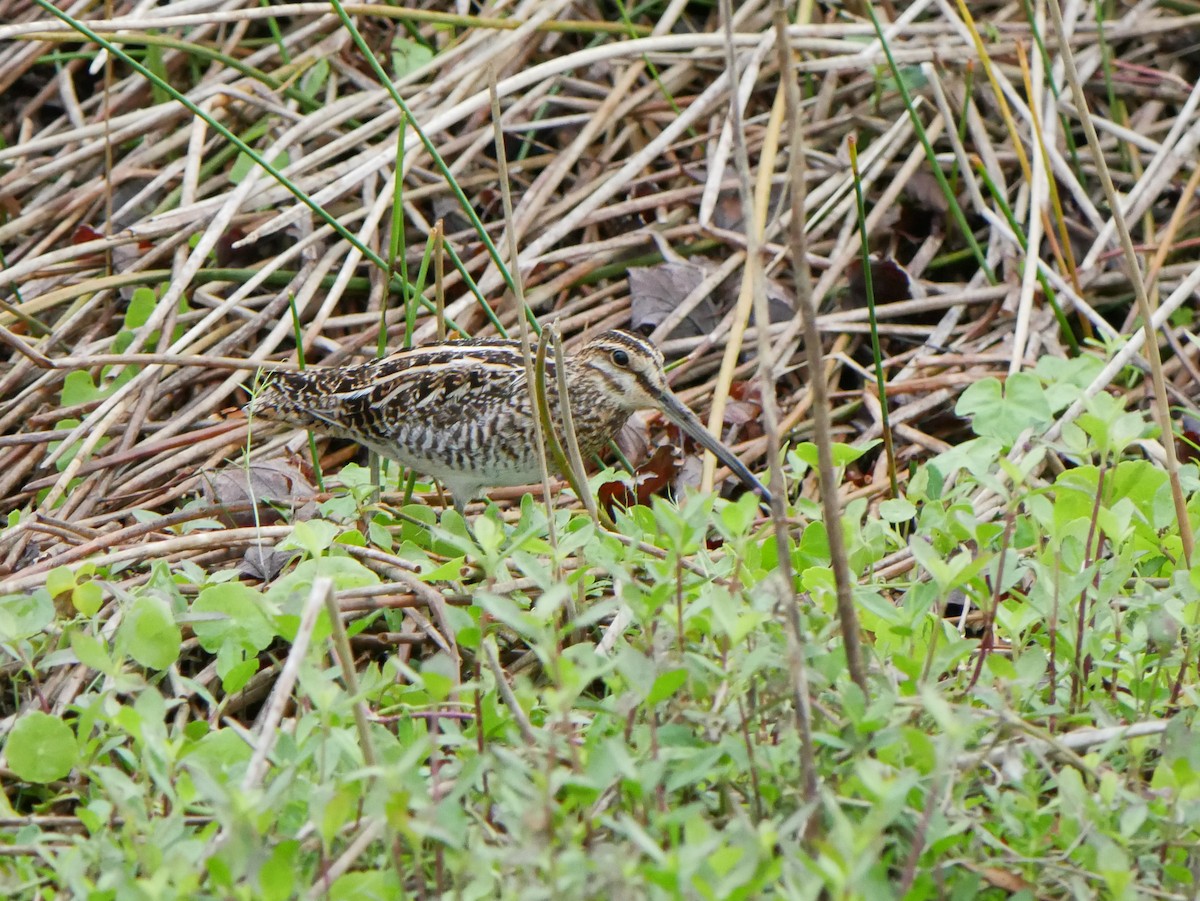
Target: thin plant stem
(864,249)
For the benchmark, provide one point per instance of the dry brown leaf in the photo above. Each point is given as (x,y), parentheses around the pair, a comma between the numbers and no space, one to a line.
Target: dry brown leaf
(657,291)
(265,483)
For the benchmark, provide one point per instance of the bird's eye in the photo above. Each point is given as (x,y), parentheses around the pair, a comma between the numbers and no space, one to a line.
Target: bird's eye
(620,358)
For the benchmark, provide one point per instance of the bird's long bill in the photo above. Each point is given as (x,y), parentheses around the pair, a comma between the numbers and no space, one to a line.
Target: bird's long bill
(679,414)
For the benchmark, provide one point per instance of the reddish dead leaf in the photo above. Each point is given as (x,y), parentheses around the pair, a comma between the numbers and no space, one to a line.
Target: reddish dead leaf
(748,391)
(9,207)
(615,494)
(744,410)
(656,474)
(1187,444)
(855,475)
(654,477)
(85,233)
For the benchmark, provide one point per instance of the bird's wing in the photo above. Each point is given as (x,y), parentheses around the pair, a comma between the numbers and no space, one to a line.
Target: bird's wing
(434,383)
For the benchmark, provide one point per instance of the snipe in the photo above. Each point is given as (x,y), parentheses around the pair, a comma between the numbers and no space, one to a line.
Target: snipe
(461,411)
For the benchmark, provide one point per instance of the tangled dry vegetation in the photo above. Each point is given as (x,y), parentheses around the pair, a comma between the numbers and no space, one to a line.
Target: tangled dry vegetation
(148,267)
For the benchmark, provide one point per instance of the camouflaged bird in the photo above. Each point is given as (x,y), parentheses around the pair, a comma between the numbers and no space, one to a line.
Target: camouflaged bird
(461,411)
